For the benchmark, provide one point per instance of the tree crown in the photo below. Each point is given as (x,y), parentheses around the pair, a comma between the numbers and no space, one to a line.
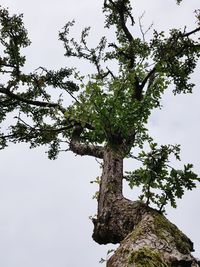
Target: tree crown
(109,107)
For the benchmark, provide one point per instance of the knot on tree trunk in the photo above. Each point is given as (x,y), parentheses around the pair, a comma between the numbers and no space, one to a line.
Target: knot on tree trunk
(117,220)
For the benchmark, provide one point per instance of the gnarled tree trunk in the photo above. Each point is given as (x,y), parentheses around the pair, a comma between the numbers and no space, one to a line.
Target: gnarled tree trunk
(146,237)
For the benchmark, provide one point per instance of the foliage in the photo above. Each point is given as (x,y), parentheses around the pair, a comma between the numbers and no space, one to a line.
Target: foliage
(25,95)
(178,1)
(109,107)
(161,183)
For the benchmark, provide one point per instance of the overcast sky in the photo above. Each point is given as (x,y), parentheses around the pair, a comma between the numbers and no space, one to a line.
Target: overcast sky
(45,205)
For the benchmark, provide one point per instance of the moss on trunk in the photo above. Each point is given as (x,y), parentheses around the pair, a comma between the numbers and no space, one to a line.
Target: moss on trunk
(155,241)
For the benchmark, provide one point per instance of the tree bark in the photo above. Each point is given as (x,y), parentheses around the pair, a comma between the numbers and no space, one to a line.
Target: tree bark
(146,237)
(154,242)
(85,149)
(116,215)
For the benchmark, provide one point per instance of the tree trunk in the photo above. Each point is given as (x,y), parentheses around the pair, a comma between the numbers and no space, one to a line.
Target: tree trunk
(154,242)
(146,237)
(115,213)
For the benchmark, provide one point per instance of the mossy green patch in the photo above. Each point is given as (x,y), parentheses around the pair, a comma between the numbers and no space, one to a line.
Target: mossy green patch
(146,257)
(163,226)
(138,231)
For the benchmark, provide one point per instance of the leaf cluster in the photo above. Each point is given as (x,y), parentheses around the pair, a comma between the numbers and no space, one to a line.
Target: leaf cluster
(29,98)
(161,184)
(109,107)
(176,56)
(13,37)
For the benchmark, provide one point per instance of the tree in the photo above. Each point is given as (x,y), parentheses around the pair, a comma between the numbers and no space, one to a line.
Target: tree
(106,120)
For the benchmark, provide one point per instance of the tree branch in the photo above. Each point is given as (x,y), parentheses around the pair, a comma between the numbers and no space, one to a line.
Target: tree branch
(124,28)
(6,91)
(122,10)
(147,78)
(55,130)
(191,32)
(86,149)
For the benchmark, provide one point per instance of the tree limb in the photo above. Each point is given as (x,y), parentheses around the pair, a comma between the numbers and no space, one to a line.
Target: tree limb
(147,77)
(6,91)
(121,8)
(191,32)
(86,149)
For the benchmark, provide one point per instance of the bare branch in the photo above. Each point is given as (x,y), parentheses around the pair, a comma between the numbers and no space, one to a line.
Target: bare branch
(152,72)
(191,32)
(141,27)
(86,149)
(111,73)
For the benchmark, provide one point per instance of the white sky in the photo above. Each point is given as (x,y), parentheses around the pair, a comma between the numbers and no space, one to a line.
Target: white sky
(45,205)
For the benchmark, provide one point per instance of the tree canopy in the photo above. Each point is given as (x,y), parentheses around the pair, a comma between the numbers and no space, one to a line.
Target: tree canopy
(108,108)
